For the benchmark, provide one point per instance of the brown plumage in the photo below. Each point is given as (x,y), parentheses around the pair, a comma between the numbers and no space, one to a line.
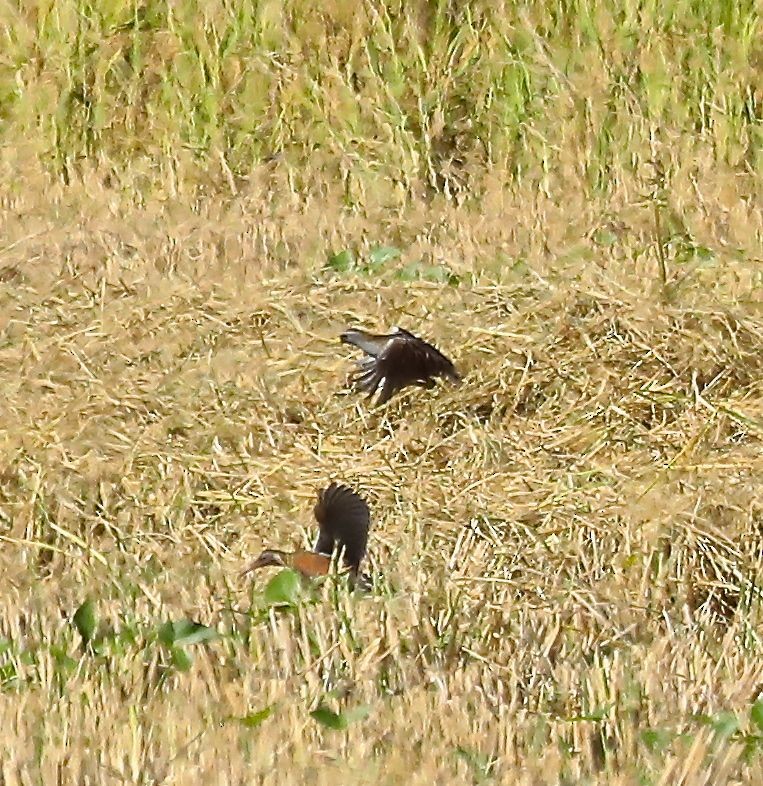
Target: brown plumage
(343,522)
(397,360)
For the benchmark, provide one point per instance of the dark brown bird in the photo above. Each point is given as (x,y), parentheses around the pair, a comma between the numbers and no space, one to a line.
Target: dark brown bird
(397,360)
(343,522)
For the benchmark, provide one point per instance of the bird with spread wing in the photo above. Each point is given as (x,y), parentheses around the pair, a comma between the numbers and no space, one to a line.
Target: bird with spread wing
(395,361)
(343,520)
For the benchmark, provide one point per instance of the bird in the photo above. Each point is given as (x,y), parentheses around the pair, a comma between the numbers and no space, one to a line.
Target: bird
(344,519)
(395,361)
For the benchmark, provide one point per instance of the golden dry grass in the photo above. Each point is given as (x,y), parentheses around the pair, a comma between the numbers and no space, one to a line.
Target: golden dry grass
(567,548)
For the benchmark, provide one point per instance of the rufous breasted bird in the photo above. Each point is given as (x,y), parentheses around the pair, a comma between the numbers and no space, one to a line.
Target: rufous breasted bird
(395,361)
(343,522)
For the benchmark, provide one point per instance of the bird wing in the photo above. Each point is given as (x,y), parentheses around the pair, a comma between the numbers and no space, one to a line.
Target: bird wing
(343,520)
(370,343)
(416,358)
(404,359)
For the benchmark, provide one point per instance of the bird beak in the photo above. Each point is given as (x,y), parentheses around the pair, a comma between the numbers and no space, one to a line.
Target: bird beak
(262,561)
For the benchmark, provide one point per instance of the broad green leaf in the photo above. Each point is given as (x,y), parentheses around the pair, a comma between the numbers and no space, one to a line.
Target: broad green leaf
(283,589)
(166,633)
(342,261)
(604,237)
(254,719)
(330,719)
(380,255)
(436,273)
(756,714)
(357,714)
(705,257)
(339,721)
(725,724)
(85,621)
(409,272)
(181,659)
(194,633)
(185,632)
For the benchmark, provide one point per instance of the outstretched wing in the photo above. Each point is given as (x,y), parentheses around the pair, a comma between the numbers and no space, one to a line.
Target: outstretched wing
(343,520)
(396,361)
(370,343)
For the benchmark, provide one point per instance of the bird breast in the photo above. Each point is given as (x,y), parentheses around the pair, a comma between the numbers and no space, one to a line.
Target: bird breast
(310,564)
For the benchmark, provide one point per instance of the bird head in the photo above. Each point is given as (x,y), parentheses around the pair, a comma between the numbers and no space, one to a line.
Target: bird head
(267,558)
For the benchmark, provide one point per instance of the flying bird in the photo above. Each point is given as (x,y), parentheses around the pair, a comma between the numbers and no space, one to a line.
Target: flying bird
(395,361)
(343,522)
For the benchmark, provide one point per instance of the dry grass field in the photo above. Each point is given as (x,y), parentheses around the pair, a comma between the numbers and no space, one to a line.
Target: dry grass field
(566,549)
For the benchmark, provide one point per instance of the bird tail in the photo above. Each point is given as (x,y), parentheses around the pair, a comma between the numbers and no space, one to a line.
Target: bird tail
(343,519)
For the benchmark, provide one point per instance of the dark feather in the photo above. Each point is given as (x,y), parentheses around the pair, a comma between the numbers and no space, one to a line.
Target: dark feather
(397,360)
(343,520)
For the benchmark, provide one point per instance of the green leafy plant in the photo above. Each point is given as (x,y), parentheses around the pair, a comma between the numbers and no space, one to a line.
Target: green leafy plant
(373,263)
(342,261)
(254,719)
(379,256)
(419,271)
(183,633)
(179,634)
(86,622)
(339,721)
(284,589)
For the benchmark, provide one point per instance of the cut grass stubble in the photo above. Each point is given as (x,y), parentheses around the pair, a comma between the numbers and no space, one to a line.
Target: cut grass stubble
(566,548)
